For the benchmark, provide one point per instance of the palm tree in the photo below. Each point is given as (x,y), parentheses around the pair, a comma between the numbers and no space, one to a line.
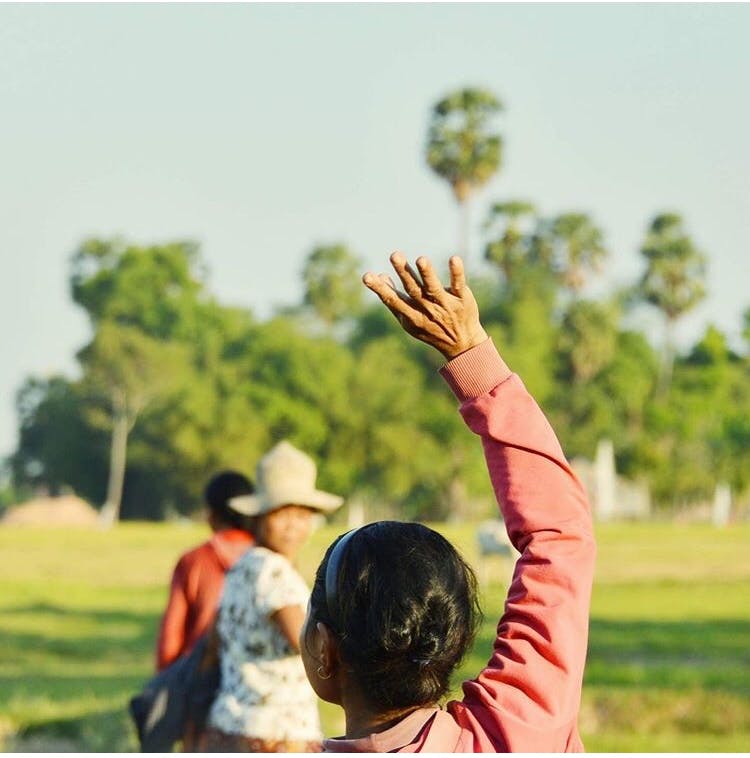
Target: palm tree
(578,246)
(462,149)
(673,280)
(509,244)
(588,337)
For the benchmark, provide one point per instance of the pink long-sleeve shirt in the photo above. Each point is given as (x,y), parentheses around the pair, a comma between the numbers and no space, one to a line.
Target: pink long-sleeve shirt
(527,697)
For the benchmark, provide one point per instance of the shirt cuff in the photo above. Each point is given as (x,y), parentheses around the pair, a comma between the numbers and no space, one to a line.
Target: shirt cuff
(476,371)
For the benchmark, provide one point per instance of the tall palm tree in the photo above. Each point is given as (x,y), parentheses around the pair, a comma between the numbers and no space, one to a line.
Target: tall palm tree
(509,245)
(578,248)
(588,337)
(463,149)
(674,279)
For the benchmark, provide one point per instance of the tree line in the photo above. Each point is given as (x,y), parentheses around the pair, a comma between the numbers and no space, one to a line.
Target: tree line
(175,385)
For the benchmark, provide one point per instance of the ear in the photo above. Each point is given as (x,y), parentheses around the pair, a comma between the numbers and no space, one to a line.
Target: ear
(327,651)
(320,655)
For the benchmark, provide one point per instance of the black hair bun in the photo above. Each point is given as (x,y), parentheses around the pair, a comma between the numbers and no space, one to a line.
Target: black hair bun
(408,612)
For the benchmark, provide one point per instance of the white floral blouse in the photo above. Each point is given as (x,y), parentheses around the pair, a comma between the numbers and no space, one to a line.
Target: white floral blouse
(264,692)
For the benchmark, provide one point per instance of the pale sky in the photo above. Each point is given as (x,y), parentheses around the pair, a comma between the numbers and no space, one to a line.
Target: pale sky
(262,130)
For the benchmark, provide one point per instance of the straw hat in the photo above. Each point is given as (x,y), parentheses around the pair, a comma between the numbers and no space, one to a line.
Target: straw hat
(285,476)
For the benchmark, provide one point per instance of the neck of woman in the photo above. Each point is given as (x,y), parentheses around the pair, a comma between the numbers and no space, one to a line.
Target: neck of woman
(361,720)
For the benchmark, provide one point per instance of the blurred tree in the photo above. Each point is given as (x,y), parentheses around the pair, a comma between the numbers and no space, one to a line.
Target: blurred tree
(693,435)
(332,280)
(673,280)
(57,446)
(577,248)
(570,244)
(628,386)
(607,397)
(588,338)
(509,244)
(10,494)
(402,442)
(522,318)
(463,149)
(204,424)
(746,326)
(130,370)
(152,321)
(373,323)
(210,387)
(720,384)
(528,332)
(156,289)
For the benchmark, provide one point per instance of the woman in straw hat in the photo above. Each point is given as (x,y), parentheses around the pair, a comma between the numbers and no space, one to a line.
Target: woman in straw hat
(393,608)
(265,703)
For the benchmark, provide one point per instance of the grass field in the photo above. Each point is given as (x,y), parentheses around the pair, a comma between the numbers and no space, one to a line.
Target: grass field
(669,658)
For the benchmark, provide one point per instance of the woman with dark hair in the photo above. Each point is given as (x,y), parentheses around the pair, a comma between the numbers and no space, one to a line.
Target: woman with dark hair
(198,577)
(393,609)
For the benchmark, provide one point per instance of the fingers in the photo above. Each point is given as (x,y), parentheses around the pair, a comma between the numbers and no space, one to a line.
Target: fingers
(433,288)
(458,275)
(384,288)
(425,285)
(378,283)
(407,275)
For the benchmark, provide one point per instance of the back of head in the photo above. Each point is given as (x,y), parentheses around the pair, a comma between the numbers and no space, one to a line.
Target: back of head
(405,612)
(219,490)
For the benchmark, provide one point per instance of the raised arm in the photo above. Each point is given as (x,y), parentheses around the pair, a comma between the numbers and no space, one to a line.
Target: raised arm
(533,678)
(527,697)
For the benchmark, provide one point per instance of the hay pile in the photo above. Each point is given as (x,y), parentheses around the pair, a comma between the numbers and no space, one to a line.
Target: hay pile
(67,510)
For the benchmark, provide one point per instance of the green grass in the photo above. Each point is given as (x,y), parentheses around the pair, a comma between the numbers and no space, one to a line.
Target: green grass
(669,656)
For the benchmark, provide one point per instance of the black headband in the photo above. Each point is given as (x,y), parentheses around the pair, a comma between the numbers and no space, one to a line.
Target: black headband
(332,574)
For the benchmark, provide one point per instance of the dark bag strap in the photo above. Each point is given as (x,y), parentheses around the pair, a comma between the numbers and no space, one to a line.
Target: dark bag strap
(205,681)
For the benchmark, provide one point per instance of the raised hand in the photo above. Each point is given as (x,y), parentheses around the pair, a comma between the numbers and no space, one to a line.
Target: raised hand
(446,318)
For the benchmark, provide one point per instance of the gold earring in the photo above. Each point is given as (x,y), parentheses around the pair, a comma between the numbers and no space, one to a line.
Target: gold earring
(319,672)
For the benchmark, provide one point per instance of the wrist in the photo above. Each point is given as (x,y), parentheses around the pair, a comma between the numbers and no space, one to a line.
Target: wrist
(476,371)
(453,351)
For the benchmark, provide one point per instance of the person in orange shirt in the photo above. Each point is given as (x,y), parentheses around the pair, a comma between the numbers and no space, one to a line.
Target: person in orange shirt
(198,578)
